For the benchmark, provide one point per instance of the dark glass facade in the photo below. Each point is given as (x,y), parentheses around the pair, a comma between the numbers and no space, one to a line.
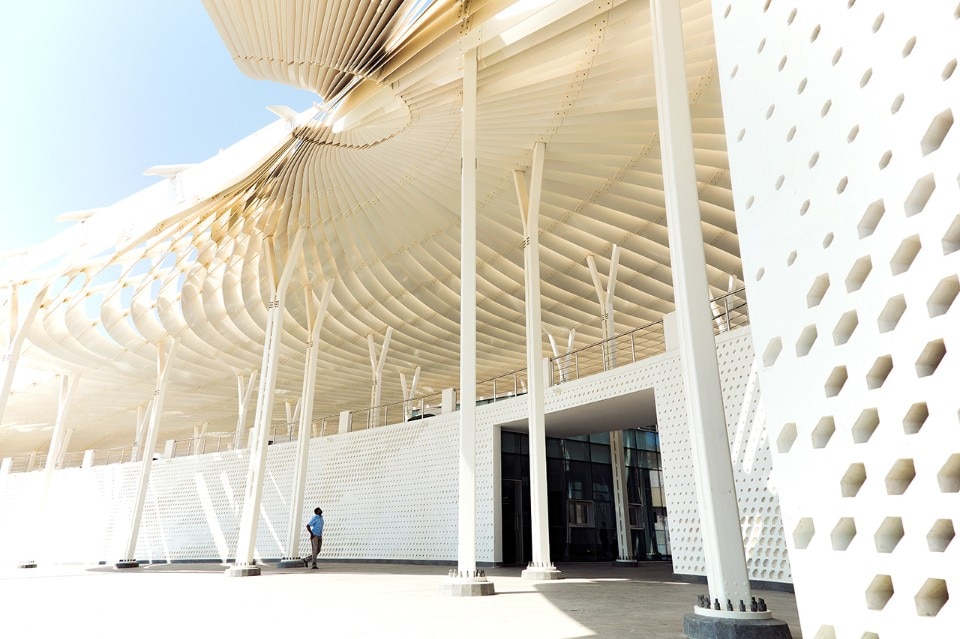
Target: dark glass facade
(580,498)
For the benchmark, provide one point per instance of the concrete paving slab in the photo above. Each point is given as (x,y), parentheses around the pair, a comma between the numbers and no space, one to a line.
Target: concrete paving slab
(348,600)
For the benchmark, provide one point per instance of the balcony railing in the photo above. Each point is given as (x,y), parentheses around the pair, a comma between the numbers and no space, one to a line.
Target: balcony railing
(730,311)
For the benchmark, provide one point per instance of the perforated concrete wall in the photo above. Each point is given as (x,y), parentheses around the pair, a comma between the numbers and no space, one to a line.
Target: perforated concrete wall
(391,493)
(844,158)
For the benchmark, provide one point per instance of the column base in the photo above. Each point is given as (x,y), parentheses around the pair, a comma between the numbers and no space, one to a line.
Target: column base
(721,624)
(478,587)
(541,572)
(625,563)
(127,563)
(246,570)
(466,584)
(293,563)
(27,564)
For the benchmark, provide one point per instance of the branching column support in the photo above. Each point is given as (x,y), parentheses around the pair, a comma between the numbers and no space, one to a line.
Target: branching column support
(605,297)
(244,565)
(726,568)
(164,366)
(376,375)
(18,332)
(244,393)
(563,363)
(467,580)
(294,529)
(541,567)
(143,416)
(68,384)
(409,393)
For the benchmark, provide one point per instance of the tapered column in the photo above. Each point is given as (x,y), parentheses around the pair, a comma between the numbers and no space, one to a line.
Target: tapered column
(244,393)
(618,467)
(18,332)
(467,580)
(713,471)
(540,567)
(244,565)
(164,366)
(143,415)
(409,393)
(294,531)
(563,362)
(68,384)
(376,375)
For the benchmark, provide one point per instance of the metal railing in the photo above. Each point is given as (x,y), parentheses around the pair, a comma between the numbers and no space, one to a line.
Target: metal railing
(395,412)
(619,350)
(730,311)
(212,443)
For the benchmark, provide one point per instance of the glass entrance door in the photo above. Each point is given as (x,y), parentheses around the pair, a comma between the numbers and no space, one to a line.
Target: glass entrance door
(511,511)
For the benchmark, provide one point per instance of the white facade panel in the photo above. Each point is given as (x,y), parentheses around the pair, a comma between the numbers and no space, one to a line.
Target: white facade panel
(844,160)
(391,493)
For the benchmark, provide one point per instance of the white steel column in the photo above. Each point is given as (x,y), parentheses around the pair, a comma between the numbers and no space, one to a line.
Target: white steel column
(164,365)
(303,436)
(618,466)
(244,564)
(376,375)
(143,414)
(18,332)
(719,515)
(467,580)
(540,567)
(244,393)
(68,384)
(409,393)
(605,297)
(563,363)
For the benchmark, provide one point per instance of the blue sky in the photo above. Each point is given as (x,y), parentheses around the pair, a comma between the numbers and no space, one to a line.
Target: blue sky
(94,92)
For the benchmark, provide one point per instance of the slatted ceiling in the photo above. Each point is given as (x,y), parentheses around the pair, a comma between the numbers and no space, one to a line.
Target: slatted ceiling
(381,201)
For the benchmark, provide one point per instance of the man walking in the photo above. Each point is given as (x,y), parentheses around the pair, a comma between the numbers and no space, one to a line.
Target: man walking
(315,528)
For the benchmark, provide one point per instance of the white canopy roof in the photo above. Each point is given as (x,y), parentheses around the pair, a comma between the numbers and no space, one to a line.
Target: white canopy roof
(373,175)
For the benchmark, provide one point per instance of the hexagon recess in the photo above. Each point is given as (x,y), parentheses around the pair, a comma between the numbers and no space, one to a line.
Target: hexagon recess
(852,480)
(845,327)
(915,418)
(900,476)
(891,314)
(803,533)
(817,290)
(858,273)
(822,432)
(805,342)
(772,352)
(871,218)
(905,255)
(930,358)
(889,534)
(943,296)
(865,425)
(931,597)
(834,384)
(788,435)
(879,591)
(949,475)
(826,632)
(879,372)
(940,535)
(843,533)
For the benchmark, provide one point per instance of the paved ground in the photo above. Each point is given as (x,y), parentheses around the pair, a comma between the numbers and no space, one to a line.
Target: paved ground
(346,601)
